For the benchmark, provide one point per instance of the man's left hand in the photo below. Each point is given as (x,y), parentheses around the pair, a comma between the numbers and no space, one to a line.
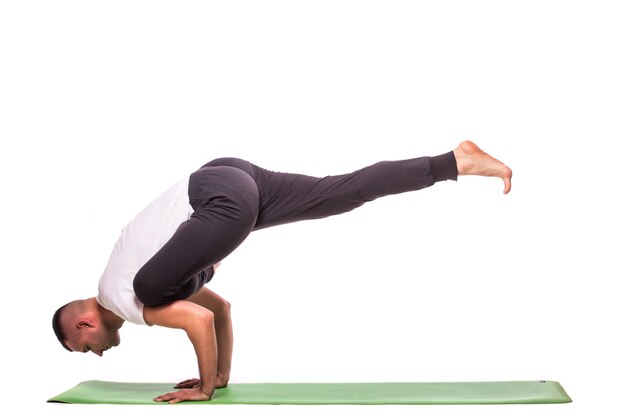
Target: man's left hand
(187,394)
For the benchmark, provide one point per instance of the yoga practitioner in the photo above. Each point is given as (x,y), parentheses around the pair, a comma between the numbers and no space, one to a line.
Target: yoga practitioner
(168,252)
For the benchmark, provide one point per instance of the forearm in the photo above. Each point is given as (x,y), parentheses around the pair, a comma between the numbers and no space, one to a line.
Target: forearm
(223,330)
(203,337)
(199,324)
(224,335)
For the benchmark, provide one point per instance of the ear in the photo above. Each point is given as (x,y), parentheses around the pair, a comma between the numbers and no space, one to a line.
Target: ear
(85,323)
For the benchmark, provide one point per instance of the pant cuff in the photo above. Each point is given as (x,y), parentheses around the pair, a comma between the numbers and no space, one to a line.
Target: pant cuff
(443,167)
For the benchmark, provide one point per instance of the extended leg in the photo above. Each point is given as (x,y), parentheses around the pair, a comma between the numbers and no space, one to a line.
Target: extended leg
(288,198)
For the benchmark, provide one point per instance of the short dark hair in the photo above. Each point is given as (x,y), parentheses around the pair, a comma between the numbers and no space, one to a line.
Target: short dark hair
(56,326)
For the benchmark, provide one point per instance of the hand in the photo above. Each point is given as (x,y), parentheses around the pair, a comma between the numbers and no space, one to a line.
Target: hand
(188,394)
(220,382)
(188,383)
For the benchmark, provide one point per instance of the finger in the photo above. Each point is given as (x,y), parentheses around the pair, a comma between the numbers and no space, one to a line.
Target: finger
(165,397)
(186,380)
(187,383)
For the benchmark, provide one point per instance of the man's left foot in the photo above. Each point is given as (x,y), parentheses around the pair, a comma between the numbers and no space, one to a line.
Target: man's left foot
(471,160)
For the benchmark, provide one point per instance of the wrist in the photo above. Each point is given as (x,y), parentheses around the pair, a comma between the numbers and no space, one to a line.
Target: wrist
(205,391)
(221,380)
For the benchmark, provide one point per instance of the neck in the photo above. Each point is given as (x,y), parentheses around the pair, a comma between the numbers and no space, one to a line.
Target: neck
(108,318)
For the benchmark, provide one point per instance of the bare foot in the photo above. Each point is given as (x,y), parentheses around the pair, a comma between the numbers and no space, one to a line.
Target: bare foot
(471,160)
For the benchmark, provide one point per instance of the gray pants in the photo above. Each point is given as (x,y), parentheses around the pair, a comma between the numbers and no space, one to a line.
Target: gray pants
(232,197)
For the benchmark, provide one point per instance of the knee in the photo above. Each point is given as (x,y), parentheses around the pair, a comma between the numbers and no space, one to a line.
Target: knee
(148,293)
(144,291)
(153,294)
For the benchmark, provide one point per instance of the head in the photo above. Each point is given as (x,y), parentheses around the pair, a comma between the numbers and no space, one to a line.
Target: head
(82,326)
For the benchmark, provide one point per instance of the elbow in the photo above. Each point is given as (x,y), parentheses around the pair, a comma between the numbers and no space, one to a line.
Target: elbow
(200,319)
(222,310)
(206,317)
(199,327)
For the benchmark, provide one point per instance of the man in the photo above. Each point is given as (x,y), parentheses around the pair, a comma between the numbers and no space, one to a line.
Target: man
(169,251)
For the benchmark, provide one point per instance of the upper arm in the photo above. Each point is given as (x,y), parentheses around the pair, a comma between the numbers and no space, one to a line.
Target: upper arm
(178,314)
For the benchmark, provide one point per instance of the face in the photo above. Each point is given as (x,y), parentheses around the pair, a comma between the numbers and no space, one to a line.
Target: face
(90,336)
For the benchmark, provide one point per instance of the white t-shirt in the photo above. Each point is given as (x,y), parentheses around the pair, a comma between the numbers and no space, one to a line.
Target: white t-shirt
(139,241)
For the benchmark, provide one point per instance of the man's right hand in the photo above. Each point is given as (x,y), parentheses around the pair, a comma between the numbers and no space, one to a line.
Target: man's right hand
(188,383)
(220,382)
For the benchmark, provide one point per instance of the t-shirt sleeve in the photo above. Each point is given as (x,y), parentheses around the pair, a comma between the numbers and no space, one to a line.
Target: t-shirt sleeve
(118,296)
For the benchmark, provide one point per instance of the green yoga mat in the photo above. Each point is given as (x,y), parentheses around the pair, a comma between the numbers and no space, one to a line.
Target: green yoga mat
(510,392)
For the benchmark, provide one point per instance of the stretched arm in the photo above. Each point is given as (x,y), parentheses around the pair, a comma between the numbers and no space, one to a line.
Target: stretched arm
(223,331)
(198,323)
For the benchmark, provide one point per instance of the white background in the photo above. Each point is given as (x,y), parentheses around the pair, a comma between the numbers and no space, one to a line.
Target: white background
(105,104)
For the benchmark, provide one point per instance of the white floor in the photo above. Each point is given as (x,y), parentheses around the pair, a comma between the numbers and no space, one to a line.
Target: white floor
(104,105)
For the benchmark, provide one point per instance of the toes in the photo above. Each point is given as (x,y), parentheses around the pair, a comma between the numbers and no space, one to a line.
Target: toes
(507,181)
(507,185)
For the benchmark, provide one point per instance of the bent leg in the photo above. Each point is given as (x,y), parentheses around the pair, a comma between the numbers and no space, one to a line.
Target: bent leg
(225,201)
